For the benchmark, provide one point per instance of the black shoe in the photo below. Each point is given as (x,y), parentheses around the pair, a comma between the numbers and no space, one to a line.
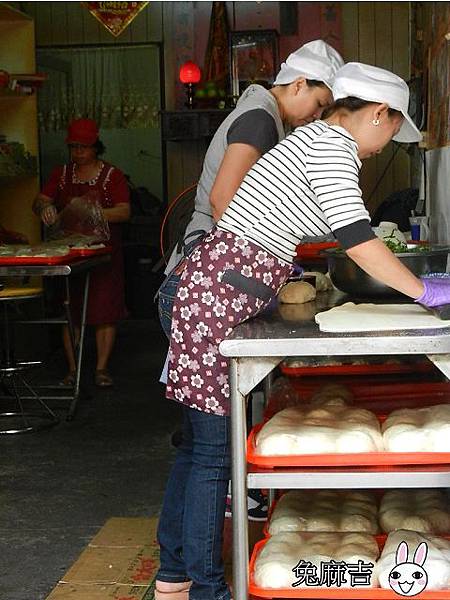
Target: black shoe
(257,506)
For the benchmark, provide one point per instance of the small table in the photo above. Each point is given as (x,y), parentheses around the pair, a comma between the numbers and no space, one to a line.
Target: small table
(65,269)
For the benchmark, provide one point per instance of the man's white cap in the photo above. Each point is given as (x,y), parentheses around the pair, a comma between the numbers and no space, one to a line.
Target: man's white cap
(315,60)
(377,85)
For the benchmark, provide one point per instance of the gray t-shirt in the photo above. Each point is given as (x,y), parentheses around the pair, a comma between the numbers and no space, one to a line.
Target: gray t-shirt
(255,121)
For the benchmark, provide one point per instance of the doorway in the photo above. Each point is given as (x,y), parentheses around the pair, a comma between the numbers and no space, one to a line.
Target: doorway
(119,87)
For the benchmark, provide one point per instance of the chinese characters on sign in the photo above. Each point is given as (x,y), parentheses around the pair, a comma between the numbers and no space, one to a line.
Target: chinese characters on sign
(115,16)
(332,574)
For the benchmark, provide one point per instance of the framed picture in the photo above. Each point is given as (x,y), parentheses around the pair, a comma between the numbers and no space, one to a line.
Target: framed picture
(254,58)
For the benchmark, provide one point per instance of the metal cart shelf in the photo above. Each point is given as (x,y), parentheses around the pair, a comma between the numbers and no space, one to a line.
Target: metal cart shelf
(255,348)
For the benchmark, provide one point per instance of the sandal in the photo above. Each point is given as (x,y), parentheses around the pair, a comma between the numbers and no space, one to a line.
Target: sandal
(69,379)
(103,378)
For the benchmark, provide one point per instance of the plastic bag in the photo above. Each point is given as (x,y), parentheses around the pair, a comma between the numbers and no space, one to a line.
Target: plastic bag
(82,216)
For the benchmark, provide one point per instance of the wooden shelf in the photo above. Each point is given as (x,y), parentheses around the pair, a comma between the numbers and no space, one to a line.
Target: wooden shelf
(18,122)
(191,124)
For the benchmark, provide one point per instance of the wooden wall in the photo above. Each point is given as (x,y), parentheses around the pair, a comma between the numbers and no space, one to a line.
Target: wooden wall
(378,33)
(373,32)
(63,23)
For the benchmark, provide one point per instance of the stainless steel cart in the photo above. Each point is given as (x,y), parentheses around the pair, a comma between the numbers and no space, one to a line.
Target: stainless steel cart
(254,349)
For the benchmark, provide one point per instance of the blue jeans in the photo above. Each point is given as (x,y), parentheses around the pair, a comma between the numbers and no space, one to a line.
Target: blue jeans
(168,290)
(190,531)
(166,297)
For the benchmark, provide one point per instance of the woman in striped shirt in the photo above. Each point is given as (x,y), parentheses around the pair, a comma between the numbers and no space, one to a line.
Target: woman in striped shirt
(307,185)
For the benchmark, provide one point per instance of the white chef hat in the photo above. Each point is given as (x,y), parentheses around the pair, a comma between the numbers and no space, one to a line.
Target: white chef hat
(377,85)
(315,60)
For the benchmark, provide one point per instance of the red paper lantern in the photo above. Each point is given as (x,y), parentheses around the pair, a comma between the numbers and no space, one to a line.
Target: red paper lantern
(190,73)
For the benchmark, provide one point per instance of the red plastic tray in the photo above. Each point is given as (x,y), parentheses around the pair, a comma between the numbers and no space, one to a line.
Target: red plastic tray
(356,459)
(422,366)
(313,249)
(312,593)
(86,252)
(35,260)
(379,395)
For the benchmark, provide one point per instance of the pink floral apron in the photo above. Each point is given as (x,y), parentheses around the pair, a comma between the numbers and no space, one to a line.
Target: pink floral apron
(226,280)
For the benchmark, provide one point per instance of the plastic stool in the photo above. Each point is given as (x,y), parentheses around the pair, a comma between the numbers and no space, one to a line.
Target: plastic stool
(12,381)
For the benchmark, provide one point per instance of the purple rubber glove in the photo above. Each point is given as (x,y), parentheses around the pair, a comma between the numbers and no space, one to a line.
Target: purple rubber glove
(437,292)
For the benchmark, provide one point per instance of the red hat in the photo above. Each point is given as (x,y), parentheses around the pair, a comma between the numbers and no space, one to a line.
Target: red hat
(82,131)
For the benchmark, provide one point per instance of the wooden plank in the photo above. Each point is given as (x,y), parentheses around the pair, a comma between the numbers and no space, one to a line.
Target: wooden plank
(366,25)
(138,28)
(383,59)
(401,55)
(59,23)
(75,29)
(90,27)
(350,31)
(169,56)
(383,35)
(401,65)
(42,14)
(153,13)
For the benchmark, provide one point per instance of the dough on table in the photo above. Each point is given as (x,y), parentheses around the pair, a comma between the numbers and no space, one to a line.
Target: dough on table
(325,428)
(425,511)
(297,292)
(282,552)
(324,510)
(418,429)
(437,564)
(350,317)
(322,281)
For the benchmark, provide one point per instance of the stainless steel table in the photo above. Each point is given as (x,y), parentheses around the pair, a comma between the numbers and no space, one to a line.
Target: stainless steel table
(254,349)
(84,267)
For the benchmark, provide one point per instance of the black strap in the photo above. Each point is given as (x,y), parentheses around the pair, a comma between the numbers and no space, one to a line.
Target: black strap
(250,286)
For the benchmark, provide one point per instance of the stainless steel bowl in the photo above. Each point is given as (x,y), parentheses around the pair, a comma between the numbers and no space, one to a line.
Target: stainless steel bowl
(348,277)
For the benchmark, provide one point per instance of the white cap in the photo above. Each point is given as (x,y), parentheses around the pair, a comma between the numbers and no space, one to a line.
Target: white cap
(315,60)
(377,85)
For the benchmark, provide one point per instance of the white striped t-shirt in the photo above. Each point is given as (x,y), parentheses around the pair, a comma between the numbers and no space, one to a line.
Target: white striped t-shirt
(307,185)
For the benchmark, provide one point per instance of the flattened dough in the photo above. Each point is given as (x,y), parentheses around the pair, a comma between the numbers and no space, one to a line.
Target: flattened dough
(352,317)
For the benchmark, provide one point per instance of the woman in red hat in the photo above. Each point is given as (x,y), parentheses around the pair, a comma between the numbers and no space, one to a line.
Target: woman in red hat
(86,172)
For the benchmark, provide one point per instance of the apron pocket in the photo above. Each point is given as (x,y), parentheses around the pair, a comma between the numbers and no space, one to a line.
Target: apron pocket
(250,286)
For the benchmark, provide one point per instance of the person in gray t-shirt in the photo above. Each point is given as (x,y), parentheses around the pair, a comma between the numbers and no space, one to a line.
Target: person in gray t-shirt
(302,89)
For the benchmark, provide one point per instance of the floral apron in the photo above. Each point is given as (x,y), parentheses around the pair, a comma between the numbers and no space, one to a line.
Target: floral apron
(226,280)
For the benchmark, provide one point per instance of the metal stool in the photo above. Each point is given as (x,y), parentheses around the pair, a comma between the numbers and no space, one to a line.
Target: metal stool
(12,380)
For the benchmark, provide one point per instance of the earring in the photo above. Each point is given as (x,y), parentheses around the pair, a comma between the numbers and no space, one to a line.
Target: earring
(376,122)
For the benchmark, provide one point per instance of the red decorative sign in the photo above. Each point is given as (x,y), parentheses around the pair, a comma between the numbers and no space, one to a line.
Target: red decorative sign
(115,16)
